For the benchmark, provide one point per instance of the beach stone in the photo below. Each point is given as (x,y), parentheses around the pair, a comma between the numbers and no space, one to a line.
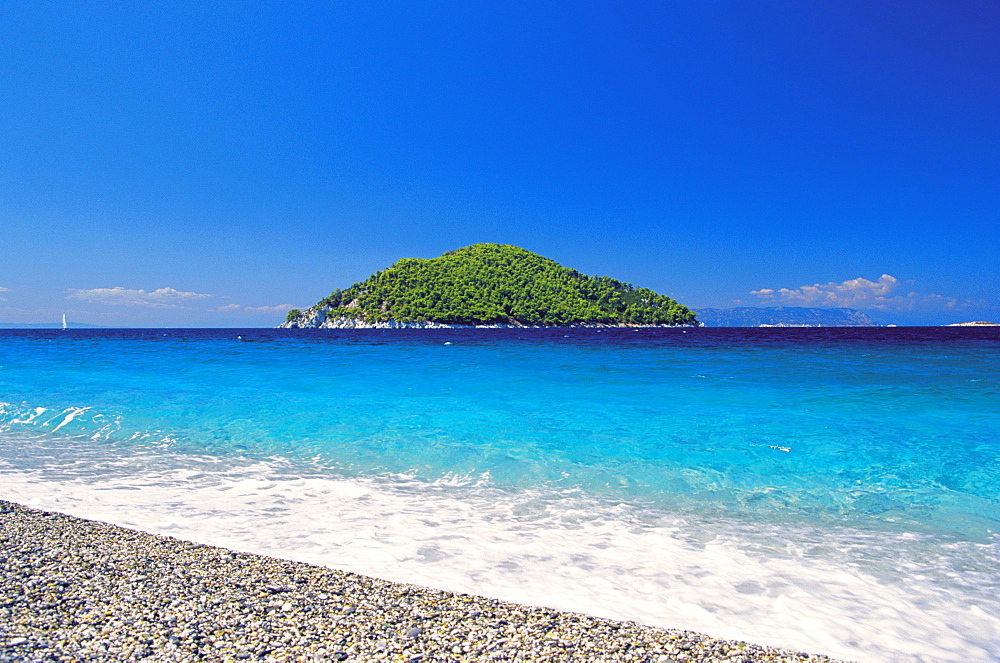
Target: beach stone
(79,590)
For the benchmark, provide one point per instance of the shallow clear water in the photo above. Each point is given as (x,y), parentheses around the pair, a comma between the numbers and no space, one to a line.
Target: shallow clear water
(827,489)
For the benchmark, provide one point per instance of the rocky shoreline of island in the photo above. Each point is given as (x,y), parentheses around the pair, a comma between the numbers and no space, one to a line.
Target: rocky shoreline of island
(317,319)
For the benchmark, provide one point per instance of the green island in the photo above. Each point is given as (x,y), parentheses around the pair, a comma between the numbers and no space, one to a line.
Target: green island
(489,285)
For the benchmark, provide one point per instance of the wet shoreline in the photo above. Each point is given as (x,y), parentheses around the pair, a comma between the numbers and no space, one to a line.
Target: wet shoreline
(81,590)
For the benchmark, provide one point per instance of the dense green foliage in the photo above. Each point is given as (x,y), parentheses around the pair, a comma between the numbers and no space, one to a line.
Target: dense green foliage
(496,283)
(294,313)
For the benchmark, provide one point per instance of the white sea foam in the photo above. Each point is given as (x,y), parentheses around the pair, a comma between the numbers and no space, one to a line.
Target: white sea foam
(29,417)
(70,413)
(848,593)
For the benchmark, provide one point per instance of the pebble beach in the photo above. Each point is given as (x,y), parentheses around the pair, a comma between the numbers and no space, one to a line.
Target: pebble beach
(80,590)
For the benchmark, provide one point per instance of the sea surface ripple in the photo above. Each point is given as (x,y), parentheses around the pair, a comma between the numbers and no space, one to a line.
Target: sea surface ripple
(836,490)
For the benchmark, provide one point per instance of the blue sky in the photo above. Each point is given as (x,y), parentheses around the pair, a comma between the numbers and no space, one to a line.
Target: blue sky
(213,164)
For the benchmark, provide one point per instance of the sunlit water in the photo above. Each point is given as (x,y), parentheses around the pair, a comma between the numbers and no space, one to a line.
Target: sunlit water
(836,491)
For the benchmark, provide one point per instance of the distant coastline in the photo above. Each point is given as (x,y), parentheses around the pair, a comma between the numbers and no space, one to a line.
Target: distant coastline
(783,316)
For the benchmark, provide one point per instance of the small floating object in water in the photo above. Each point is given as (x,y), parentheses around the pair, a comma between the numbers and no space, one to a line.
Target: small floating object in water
(447,342)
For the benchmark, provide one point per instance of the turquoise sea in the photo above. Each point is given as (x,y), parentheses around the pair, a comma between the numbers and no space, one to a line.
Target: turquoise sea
(832,490)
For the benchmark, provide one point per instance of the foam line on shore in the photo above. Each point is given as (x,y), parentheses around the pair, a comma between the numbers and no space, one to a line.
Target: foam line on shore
(83,589)
(801,588)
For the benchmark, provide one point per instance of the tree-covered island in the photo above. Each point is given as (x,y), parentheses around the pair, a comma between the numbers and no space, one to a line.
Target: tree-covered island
(489,284)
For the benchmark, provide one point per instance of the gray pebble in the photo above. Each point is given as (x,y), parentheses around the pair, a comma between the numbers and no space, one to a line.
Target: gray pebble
(79,590)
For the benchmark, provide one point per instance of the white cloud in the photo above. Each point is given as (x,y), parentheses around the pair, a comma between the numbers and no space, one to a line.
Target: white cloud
(268,310)
(3,289)
(118,296)
(280,308)
(858,293)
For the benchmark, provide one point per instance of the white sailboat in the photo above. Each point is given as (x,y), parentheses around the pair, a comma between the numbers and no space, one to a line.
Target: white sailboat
(64,321)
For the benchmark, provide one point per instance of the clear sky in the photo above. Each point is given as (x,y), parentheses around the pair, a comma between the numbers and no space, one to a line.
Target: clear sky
(214,164)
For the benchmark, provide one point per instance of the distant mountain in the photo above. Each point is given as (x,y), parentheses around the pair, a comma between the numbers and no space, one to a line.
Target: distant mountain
(783,316)
(491,285)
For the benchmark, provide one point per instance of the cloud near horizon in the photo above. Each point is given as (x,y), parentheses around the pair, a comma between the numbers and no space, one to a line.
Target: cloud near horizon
(3,289)
(859,293)
(171,299)
(118,296)
(280,308)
